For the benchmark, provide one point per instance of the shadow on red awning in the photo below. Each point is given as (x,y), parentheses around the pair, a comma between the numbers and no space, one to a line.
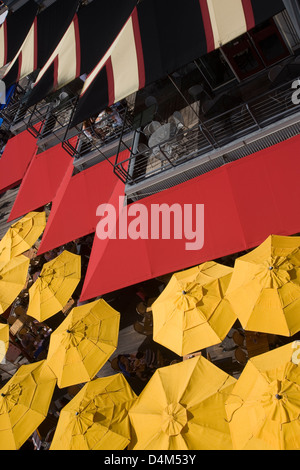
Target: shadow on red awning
(73,213)
(245,202)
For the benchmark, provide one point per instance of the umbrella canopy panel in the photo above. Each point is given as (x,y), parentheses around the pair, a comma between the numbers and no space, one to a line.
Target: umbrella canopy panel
(188,412)
(4,341)
(264,407)
(191,313)
(24,404)
(83,343)
(54,286)
(22,235)
(265,287)
(97,418)
(13,275)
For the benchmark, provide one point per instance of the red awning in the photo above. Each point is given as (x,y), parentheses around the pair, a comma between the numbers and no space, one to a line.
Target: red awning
(73,213)
(42,180)
(15,159)
(244,202)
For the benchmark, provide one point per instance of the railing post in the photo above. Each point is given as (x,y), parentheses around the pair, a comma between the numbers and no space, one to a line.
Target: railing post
(252,116)
(214,144)
(166,157)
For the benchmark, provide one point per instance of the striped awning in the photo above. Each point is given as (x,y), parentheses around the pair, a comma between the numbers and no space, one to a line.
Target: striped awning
(160,37)
(14,30)
(88,35)
(41,40)
(121,45)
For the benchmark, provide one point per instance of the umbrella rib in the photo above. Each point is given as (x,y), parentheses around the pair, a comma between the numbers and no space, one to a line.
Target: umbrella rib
(205,427)
(153,437)
(170,317)
(52,291)
(15,283)
(12,269)
(109,343)
(11,429)
(190,378)
(109,393)
(214,392)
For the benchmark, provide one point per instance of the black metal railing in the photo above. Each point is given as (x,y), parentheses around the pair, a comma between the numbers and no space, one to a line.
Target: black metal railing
(98,134)
(16,110)
(50,118)
(183,143)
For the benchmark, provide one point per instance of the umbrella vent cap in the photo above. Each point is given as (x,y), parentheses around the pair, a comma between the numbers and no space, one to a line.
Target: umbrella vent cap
(281,401)
(10,398)
(174,419)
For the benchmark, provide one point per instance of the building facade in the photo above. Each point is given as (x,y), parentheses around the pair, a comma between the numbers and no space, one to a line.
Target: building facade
(174,100)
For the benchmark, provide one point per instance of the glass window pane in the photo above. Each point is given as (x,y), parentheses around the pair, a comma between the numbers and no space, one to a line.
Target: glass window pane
(216,69)
(272,47)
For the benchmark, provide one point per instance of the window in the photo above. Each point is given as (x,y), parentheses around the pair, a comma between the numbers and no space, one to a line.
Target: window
(262,47)
(269,43)
(243,57)
(215,69)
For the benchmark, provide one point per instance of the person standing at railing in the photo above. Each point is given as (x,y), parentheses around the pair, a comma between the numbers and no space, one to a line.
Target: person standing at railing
(114,117)
(107,121)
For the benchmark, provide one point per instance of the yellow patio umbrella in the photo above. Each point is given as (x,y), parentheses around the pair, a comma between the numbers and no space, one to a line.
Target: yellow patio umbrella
(183,408)
(13,276)
(83,343)
(265,287)
(97,418)
(4,342)
(191,313)
(264,408)
(22,235)
(54,287)
(24,404)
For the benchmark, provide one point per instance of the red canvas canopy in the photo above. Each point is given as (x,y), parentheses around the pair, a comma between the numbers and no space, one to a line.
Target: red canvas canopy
(245,202)
(15,159)
(42,180)
(73,213)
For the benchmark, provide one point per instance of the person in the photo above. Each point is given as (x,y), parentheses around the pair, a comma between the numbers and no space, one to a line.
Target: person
(133,365)
(142,294)
(71,247)
(27,342)
(49,255)
(114,116)
(86,127)
(142,364)
(86,139)
(106,122)
(100,125)
(35,276)
(41,344)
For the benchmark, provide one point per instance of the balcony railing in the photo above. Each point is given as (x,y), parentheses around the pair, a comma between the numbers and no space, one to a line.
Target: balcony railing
(183,143)
(16,111)
(50,120)
(99,136)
